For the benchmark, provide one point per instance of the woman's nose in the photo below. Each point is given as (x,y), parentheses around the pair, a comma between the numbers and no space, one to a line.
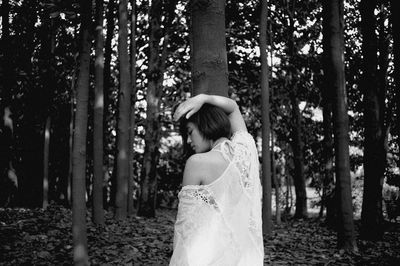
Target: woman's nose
(189,140)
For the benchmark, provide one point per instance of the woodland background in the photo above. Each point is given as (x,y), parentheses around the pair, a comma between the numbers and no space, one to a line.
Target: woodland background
(85,130)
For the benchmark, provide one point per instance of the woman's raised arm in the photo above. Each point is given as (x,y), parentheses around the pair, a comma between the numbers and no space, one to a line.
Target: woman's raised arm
(192,105)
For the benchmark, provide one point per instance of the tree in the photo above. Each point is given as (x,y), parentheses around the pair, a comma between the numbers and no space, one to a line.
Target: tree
(296,131)
(98,144)
(395,19)
(334,71)
(155,78)
(79,144)
(266,125)
(123,114)
(327,92)
(107,86)
(374,112)
(133,113)
(208,47)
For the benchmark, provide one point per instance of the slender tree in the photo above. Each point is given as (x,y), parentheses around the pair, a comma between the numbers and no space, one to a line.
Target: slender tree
(395,19)
(266,126)
(79,143)
(107,115)
(155,77)
(374,151)
(123,114)
(327,92)
(98,144)
(334,71)
(208,47)
(133,100)
(46,149)
(296,131)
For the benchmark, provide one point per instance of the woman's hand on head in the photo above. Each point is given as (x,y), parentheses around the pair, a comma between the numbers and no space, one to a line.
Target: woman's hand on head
(190,106)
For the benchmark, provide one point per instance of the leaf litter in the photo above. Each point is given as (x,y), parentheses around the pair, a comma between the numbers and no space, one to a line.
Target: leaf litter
(44,237)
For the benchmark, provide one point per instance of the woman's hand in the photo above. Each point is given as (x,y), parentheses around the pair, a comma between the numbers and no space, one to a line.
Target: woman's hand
(190,106)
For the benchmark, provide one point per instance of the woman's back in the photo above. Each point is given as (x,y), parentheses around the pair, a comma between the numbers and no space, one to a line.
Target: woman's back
(219,222)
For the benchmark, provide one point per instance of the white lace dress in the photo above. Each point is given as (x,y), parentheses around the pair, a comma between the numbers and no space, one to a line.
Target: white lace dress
(220,223)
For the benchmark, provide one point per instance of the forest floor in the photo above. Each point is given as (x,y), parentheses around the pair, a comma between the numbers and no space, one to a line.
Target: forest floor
(38,237)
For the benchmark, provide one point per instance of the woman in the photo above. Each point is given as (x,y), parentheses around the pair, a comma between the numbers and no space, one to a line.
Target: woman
(219,213)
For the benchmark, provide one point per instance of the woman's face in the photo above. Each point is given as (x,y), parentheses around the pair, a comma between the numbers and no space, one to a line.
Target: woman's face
(198,143)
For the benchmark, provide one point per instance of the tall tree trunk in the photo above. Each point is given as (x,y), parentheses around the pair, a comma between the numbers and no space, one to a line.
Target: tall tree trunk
(275,177)
(46,163)
(297,141)
(132,123)
(298,158)
(155,76)
(374,152)
(209,59)
(333,14)
(328,192)
(79,144)
(98,144)
(108,49)
(266,126)
(124,102)
(395,19)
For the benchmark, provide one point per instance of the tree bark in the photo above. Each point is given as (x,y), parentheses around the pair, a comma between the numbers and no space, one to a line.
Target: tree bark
(79,144)
(121,200)
(266,126)
(98,144)
(395,19)
(298,158)
(108,49)
(333,14)
(132,124)
(328,193)
(209,58)
(374,151)
(296,134)
(46,150)
(155,76)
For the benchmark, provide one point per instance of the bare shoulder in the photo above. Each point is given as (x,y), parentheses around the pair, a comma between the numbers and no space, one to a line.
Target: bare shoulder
(203,168)
(194,170)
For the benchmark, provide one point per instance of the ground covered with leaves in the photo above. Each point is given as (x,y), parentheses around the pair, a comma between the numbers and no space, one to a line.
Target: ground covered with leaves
(38,237)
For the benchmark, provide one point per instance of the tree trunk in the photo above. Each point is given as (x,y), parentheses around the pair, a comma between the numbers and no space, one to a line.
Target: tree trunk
(98,166)
(155,75)
(277,180)
(132,124)
(298,158)
(328,193)
(79,143)
(333,14)
(395,19)
(297,142)
(374,152)
(124,101)
(147,202)
(266,126)
(46,149)
(209,59)
(107,116)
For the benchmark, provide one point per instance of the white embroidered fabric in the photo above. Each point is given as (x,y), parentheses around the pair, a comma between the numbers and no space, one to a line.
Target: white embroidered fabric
(220,223)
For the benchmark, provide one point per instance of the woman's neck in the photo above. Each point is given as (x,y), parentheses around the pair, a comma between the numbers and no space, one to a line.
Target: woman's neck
(216,142)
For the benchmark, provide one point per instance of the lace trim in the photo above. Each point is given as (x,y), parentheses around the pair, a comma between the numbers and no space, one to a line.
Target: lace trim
(199,193)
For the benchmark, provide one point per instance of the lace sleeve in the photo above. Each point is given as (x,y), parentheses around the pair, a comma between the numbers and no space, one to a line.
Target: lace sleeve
(243,137)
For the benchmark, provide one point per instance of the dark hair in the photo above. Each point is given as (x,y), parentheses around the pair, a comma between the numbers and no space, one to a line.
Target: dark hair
(213,123)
